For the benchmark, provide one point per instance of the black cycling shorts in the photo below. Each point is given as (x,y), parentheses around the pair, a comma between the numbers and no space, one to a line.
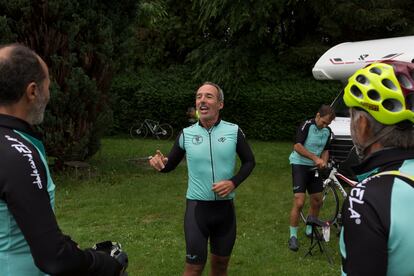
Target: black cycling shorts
(209,219)
(304,179)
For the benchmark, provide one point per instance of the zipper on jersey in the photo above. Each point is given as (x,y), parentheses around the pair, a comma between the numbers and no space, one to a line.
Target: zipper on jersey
(211,158)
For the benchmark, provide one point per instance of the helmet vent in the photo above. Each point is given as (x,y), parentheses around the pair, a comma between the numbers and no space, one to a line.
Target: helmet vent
(356,92)
(374,95)
(410,101)
(392,105)
(389,84)
(362,79)
(403,80)
(375,70)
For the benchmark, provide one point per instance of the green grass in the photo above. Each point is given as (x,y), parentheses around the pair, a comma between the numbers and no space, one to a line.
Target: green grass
(120,198)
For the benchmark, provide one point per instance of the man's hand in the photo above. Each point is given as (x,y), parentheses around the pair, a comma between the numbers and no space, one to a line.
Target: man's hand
(158,161)
(320,163)
(223,188)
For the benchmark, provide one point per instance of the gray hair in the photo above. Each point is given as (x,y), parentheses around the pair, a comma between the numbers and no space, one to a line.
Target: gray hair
(220,91)
(397,137)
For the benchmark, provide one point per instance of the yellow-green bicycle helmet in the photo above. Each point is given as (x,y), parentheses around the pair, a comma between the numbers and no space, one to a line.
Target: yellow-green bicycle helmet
(385,90)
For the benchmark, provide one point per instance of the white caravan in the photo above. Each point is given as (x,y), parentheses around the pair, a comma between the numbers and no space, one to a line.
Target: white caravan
(341,61)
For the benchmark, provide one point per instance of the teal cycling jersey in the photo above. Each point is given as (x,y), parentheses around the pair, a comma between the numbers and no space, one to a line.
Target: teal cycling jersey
(15,255)
(376,238)
(211,157)
(31,243)
(315,140)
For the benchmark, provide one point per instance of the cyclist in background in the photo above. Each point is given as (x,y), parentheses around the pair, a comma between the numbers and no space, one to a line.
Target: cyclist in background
(310,149)
(377,236)
(210,147)
(31,242)
(192,115)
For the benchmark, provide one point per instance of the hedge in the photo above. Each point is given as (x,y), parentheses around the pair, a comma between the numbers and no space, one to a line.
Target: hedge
(265,110)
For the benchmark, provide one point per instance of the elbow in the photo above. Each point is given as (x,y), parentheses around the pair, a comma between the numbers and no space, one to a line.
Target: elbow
(49,265)
(253,163)
(60,259)
(54,266)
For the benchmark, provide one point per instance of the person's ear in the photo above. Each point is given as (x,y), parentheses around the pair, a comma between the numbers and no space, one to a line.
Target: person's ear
(221,105)
(31,91)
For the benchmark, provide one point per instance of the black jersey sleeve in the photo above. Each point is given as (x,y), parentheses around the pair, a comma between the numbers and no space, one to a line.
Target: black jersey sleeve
(246,156)
(366,220)
(302,132)
(23,186)
(175,156)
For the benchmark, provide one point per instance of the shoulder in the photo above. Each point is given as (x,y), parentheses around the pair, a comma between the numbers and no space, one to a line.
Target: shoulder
(13,144)
(307,124)
(19,156)
(373,193)
(191,128)
(373,187)
(228,125)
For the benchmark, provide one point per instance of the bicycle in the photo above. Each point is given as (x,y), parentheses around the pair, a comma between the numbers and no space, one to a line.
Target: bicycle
(162,131)
(329,211)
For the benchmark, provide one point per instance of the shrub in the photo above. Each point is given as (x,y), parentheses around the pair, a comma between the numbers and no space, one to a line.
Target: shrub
(265,110)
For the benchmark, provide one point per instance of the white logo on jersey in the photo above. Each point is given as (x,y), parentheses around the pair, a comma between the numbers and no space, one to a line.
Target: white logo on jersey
(356,196)
(26,152)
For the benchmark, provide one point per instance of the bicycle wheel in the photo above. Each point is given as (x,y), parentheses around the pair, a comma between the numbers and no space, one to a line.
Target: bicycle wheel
(164,131)
(138,130)
(330,206)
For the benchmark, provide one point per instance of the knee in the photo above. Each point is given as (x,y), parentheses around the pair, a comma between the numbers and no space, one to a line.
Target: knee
(219,264)
(299,202)
(316,202)
(193,269)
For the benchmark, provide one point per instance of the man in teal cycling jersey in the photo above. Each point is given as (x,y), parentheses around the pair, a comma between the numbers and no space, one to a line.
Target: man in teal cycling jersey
(31,242)
(310,150)
(210,147)
(378,215)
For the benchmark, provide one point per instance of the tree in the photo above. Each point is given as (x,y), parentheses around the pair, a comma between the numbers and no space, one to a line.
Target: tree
(79,42)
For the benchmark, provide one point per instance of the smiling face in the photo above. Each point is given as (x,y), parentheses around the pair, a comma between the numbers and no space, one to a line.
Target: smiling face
(208,104)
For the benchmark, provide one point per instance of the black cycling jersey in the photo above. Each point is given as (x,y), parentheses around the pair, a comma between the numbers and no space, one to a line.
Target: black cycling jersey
(28,229)
(315,140)
(377,238)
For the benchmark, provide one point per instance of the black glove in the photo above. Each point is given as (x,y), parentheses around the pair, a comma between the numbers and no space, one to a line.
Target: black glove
(109,259)
(103,264)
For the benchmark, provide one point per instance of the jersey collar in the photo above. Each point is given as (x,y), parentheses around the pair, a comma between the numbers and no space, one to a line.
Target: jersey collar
(18,124)
(215,124)
(385,159)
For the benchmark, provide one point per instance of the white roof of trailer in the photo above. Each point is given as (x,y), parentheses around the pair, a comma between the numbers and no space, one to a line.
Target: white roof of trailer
(342,60)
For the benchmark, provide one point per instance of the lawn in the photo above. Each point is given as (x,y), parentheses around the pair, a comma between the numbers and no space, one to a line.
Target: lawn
(120,198)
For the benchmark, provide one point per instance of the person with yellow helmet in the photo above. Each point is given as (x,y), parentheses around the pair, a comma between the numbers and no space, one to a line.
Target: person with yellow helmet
(376,238)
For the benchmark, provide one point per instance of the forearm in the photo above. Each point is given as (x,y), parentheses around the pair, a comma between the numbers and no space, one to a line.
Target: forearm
(174,157)
(325,155)
(243,172)
(299,148)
